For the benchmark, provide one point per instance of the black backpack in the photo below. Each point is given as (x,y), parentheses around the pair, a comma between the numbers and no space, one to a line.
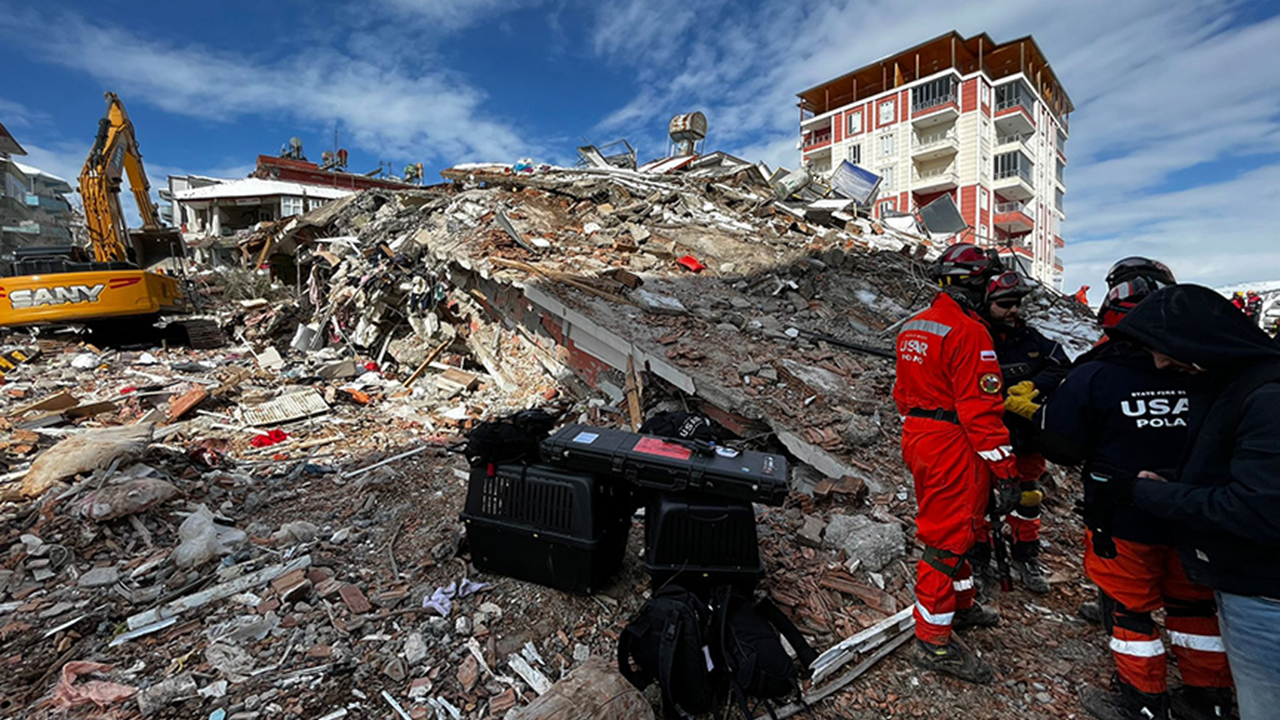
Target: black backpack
(669,641)
(751,653)
(511,439)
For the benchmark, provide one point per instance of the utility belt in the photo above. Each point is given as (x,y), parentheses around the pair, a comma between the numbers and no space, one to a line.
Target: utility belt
(937,414)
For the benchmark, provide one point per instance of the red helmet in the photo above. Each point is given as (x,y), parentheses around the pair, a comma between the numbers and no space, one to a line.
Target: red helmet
(1138,266)
(1123,297)
(964,263)
(1006,285)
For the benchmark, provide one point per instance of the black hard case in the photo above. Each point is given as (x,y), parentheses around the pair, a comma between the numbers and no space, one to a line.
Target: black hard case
(701,542)
(667,465)
(546,525)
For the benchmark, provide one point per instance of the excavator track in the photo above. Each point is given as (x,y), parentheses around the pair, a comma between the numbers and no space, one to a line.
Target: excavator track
(197,333)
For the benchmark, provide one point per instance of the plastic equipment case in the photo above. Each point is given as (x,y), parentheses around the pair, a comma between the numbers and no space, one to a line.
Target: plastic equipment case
(544,525)
(701,542)
(661,464)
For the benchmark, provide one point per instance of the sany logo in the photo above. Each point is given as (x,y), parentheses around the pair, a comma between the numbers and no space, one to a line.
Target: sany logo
(1154,412)
(56,295)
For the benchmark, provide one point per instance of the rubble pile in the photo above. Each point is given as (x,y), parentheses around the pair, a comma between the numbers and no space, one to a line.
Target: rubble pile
(271,529)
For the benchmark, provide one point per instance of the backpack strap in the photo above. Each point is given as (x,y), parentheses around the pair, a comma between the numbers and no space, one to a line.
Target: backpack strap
(804,651)
(638,679)
(666,658)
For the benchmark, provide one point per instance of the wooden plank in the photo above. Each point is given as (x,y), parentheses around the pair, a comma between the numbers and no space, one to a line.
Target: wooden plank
(58,401)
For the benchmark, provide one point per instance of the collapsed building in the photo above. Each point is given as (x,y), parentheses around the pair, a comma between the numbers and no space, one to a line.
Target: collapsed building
(317,444)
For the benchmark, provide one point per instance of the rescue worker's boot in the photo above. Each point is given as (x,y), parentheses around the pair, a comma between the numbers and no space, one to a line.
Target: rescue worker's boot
(954,659)
(1199,703)
(1026,564)
(1125,703)
(1032,575)
(977,616)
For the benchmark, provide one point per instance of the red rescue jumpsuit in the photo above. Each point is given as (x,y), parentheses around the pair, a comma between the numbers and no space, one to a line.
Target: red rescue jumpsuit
(946,366)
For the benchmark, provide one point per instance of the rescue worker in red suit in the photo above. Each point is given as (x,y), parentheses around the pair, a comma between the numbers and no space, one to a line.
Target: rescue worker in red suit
(955,444)
(1031,364)
(1117,414)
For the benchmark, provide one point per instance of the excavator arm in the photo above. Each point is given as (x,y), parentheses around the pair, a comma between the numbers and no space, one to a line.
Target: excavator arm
(115,154)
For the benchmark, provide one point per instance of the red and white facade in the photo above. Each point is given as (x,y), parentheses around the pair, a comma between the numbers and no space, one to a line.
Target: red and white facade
(985,123)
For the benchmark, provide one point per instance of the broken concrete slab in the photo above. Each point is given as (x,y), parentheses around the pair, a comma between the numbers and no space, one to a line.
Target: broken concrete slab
(874,545)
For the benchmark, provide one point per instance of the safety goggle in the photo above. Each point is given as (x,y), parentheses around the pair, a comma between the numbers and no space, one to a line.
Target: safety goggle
(1133,290)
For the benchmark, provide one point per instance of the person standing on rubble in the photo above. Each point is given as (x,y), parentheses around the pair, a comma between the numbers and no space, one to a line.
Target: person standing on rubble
(957,448)
(1224,495)
(1032,365)
(1116,414)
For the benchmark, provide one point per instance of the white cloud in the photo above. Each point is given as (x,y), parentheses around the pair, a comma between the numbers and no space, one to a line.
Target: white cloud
(448,15)
(432,115)
(1159,89)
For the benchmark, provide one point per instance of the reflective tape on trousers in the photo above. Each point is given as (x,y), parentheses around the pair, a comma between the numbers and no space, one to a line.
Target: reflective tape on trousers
(934,618)
(1206,643)
(962,585)
(1137,648)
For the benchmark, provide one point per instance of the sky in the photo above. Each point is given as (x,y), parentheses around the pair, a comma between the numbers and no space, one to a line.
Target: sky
(1174,150)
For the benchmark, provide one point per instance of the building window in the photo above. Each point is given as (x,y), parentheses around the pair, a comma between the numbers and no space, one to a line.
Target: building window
(290,206)
(986,94)
(932,94)
(854,154)
(887,183)
(888,111)
(886,145)
(855,123)
(888,206)
(314,203)
(1012,164)
(982,199)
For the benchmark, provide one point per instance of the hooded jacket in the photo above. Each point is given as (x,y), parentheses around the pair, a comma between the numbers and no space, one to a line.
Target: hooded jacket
(1227,491)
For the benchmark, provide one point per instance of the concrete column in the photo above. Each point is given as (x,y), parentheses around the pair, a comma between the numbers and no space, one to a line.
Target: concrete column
(215,220)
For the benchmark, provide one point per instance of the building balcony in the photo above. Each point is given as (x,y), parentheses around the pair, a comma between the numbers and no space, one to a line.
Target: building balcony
(817,138)
(936,179)
(1013,218)
(1013,184)
(936,145)
(1058,242)
(814,123)
(935,114)
(1015,141)
(1014,117)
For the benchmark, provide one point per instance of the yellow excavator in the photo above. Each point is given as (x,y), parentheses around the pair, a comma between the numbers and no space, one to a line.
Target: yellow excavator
(125,282)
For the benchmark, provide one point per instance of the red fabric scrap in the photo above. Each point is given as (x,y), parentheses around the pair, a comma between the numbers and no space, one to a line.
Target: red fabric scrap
(689,262)
(274,437)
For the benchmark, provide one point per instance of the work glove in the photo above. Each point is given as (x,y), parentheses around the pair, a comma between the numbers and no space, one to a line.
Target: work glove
(1022,405)
(1031,497)
(1005,496)
(1026,388)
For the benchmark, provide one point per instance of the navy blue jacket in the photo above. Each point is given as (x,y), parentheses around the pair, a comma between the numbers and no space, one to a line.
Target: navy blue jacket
(1226,492)
(1116,414)
(1025,354)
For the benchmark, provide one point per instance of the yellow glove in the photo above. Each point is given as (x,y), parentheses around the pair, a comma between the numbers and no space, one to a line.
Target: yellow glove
(1031,498)
(1026,388)
(1022,405)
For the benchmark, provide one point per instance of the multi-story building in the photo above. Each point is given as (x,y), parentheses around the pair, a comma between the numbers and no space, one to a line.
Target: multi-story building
(34,210)
(983,122)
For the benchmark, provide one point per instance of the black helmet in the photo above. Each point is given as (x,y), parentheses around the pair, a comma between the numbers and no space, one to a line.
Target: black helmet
(1137,266)
(965,264)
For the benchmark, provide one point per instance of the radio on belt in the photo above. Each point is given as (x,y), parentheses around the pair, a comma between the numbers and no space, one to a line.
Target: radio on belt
(672,465)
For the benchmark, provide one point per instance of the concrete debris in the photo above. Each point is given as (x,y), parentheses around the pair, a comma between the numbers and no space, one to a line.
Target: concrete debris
(874,545)
(270,529)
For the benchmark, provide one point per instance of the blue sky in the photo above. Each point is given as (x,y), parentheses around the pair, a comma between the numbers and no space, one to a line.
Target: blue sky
(1174,153)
